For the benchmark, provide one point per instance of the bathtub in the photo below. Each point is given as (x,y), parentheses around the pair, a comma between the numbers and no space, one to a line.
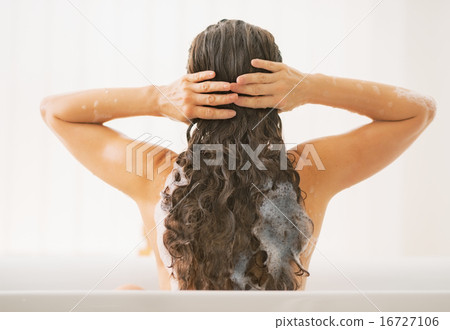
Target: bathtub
(58,283)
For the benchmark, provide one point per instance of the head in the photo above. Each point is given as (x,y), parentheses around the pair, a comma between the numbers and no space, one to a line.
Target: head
(226,228)
(227,48)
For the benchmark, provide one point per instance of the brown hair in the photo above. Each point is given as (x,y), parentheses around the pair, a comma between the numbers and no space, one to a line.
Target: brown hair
(217,225)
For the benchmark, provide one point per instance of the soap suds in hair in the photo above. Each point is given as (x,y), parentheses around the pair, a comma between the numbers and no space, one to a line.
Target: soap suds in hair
(176,178)
(238,275)
(424,100)
(310,247)
(283,231)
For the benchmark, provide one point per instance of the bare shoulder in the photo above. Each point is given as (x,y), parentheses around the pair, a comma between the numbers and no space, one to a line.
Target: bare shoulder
(154,166)
(309,166)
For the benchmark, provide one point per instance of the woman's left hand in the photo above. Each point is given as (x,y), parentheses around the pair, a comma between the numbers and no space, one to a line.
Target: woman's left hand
(284,88)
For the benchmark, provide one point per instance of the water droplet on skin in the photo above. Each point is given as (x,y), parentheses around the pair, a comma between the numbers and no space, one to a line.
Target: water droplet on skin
(106,91)
(83,107)
(376,89)
(424,100)
(115,100)
(95,103)
(360,87)
(98,116)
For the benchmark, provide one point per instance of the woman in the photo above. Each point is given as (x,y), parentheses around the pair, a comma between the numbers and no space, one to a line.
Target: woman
(229,210)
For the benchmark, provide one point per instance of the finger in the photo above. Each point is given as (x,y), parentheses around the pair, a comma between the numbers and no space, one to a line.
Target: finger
(211,86)
(200,76)
(215,99)
(256,78)
(255,102)
(268,65)
(213,113)
(253,89)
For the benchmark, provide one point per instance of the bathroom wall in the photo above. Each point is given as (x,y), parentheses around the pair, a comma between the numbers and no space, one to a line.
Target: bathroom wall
(50,204)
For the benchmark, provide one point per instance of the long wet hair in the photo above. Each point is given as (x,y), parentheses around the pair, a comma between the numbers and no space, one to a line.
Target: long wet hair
(231,225)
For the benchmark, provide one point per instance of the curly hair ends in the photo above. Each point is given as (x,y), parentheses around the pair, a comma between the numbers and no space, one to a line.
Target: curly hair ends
(236,226)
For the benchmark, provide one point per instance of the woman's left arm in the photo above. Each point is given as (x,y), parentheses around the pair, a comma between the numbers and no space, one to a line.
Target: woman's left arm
(399,117)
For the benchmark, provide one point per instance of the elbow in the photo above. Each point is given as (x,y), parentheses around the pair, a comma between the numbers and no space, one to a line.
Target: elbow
(430,109)
(427,112)
(45,108)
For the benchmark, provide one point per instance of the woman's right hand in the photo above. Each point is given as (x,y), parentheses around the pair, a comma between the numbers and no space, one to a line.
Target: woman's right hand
(185,98)
(284,88)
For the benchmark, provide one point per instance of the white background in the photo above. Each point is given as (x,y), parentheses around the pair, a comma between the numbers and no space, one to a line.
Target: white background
(50,204)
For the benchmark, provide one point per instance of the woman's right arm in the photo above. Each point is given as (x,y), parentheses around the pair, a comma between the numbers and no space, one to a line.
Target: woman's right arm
(77,120)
